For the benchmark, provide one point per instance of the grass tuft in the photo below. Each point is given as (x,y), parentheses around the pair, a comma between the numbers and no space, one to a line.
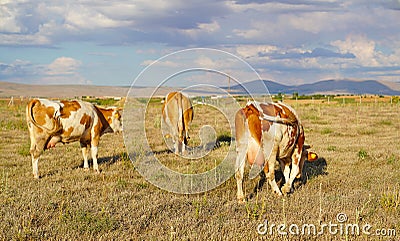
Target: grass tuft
(390,200)
(86,222)
(362,154)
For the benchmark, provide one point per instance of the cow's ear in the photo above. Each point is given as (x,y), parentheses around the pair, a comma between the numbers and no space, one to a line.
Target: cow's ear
(312,156)
(306,146)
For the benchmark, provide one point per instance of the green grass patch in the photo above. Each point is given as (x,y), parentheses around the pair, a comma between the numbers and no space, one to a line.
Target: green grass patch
(102,102)
(385,123)
(24,149)
(9,125)
(326,131)
(331,148)
(86,222)
(362,154)
(390,200)
(367,132)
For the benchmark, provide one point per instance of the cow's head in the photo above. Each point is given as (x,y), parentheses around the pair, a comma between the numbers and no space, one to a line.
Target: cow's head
(309,155)
(115,120)
(306,155)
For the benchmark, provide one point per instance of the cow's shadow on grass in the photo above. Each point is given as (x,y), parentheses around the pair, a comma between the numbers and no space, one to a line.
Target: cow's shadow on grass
(106,160)
(310,171)
(204,148)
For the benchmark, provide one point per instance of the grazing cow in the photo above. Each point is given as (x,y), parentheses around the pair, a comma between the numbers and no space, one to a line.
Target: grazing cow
(177,113)
(270,131)
(50,122)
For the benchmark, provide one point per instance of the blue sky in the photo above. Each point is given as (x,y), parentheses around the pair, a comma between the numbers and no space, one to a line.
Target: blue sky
(111,42)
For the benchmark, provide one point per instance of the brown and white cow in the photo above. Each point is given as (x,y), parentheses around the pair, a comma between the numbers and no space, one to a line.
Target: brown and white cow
(177,113)
(51,122)
(266,132)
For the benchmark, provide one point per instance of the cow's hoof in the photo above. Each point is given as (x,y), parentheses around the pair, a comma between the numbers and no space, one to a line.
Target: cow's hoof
(241,200)
(286,189)
(86,169)
(36,176)
(97,171)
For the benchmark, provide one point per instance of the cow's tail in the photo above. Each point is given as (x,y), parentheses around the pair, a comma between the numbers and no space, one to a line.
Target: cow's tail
(278,119)
(181,123)
(31,118)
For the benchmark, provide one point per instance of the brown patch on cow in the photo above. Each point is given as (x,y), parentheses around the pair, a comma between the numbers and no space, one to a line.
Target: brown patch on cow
(239,124)
(86,120)
(286,113)
(292,132)
(103,123)
(167,99)
(69,106)
(266,125)
(171,95)
(68,132)
(301,140)
(255,127)
(253,119)
(106,113)
(251,110)
(268,109)
(40,112)
(97,132)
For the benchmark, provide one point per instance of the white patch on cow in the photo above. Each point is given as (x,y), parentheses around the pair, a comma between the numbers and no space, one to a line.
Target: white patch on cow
(55,104)
(116,124)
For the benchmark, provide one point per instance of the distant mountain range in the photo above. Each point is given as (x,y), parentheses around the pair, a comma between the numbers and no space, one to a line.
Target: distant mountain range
(322,87)
(373,87)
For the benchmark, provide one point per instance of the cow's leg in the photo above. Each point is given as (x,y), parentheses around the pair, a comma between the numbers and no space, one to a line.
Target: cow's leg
(177,143)
(287,188)
(271,176)
(85,152)
(271,149)
(177,146)
(37,146)
(183,147)
(285,167)
(271,167)
(239,174)
(94,157)
(93,147)
(35,166)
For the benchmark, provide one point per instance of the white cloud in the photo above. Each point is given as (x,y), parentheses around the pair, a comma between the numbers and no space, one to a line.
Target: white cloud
(363,48)
(248,51)
(63,66)
(63,70)
(85,17)
(202,29)
(277,37)
(160,63)
(8,22)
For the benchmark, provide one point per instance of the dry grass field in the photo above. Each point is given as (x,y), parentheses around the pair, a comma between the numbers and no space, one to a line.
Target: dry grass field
(357,174)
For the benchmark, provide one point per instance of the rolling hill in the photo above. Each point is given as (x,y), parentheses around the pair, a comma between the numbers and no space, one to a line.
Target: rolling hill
(322,87)
(8,89)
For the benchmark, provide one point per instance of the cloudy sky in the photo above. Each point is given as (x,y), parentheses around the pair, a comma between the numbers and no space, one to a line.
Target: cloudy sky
(110,42)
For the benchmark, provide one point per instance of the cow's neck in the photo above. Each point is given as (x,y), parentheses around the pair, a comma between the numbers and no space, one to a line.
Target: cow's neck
(104,114)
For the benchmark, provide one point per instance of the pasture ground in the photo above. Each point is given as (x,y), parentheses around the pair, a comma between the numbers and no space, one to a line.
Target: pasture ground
(357,174)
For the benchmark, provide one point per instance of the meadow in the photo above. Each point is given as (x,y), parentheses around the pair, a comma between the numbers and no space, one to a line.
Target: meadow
(356,177)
